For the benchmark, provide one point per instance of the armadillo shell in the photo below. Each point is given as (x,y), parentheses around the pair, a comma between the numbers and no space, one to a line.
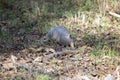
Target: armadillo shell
(60,34)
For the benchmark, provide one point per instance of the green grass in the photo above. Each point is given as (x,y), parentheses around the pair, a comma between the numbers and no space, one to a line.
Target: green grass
(104,51)
(44,77)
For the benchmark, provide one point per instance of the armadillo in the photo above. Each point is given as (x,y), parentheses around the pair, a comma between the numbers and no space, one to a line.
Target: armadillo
(61,35)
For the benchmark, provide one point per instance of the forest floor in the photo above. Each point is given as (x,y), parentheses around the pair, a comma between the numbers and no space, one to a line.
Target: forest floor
(96,36)
(53,62)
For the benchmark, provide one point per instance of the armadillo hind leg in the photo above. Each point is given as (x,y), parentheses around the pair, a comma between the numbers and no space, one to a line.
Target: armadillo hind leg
(72,45)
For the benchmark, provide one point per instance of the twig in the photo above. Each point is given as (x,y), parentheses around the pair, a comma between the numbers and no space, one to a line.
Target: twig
(114,14)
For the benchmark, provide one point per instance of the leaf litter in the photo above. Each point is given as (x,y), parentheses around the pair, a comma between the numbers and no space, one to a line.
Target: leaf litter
(60,62)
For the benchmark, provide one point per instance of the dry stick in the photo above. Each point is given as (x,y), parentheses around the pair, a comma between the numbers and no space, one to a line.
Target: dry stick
(114,14)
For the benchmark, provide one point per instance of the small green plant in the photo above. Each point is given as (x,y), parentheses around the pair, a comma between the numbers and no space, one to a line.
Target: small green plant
(21,69)
(44,77)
